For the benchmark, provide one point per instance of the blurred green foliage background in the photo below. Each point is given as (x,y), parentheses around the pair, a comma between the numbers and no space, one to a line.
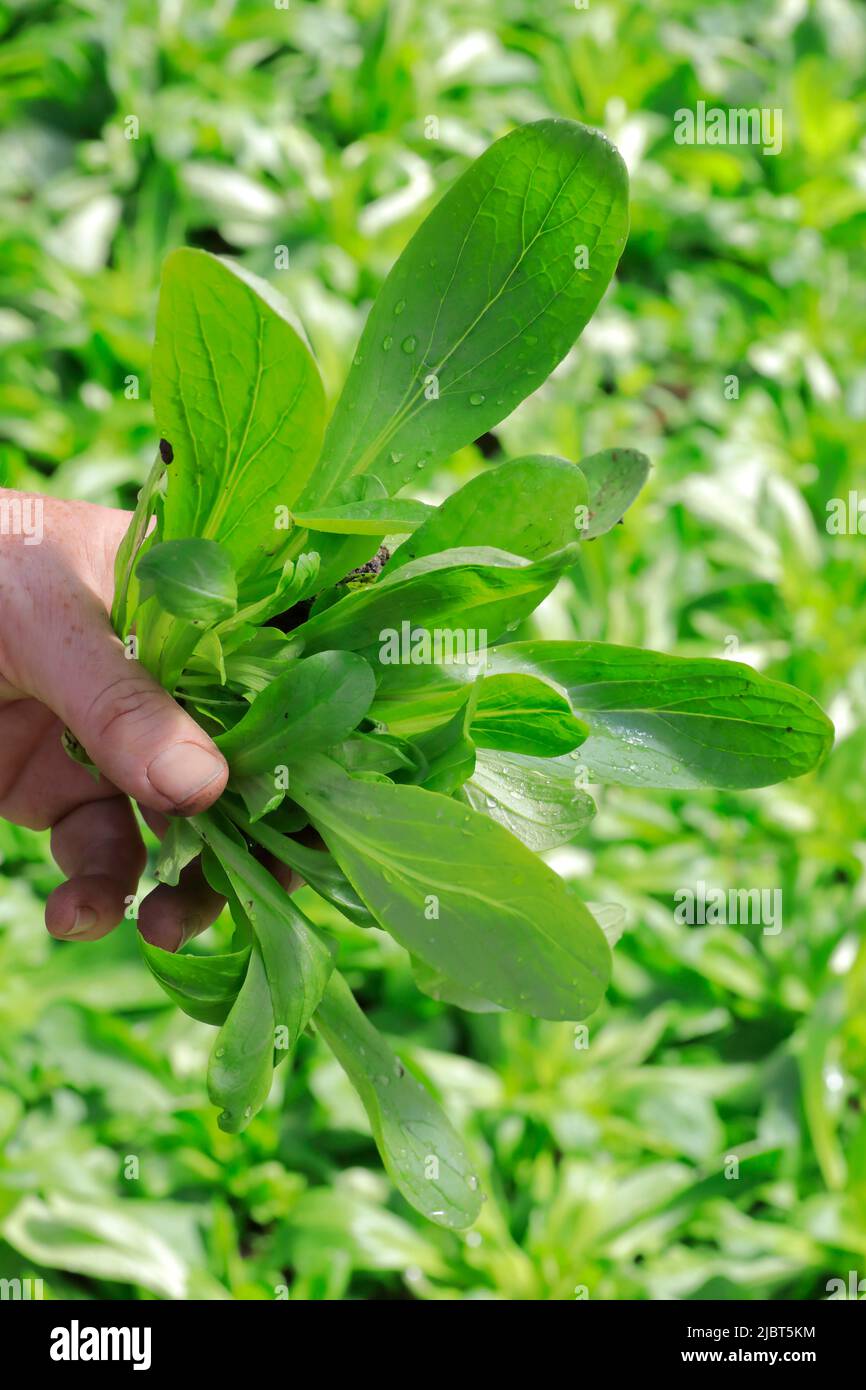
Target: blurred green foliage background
(133,126)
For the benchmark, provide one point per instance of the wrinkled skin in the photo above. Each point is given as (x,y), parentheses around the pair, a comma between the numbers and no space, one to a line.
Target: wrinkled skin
(62,665)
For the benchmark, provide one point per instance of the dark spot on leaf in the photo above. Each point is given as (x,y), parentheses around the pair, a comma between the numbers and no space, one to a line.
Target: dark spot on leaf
(166,452)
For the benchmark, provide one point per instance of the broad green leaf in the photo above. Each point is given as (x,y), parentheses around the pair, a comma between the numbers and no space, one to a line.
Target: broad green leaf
(410,700)
(524,715)
(205,987)
(318,868)
(192,579)
(180,845)
(487,298)
(457,890)
(436,985)
(239,397)
(449,751)
(390,516)
(241,1066)
(297,959)
(614,478)
(422,1154)
(470,596)
(537,799)
(527,506)
(260,659)
(667,721)
(315,702)
(377,753)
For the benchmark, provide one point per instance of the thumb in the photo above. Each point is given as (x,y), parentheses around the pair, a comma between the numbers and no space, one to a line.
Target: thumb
(130,727)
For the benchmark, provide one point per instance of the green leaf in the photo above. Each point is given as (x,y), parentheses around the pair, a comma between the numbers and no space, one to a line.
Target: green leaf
(205,987)
(448,750)
(241,1066)
(209,655)
(98,1239)
(614,478)
(314,703)
(390,516)
(318,868)
(78,753)
(423,1155)
(259,793)
(484,302)
(527,506)
(192,579)
(410,700)
(297,959)
(180,845)
(537,799)
(377,753)
(342,554)
(237,393)
(460,892)
(260,659)
(282,590)
(667,721)
(436,985)
(470,595)
(525,715)
(125,595)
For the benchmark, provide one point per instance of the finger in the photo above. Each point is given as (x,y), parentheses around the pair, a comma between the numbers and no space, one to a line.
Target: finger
(39,782)
(155,821)
(131,728)
(99,848)
(84,909)
(286,877)
(170,917)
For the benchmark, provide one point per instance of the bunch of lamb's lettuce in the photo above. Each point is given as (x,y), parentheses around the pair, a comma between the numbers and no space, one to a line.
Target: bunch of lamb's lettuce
(432,768)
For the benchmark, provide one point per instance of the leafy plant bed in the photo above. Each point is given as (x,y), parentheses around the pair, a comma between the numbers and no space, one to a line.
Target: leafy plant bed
(388,711)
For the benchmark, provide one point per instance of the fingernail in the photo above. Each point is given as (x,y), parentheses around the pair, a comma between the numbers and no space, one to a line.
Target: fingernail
(85,918)
(182,772)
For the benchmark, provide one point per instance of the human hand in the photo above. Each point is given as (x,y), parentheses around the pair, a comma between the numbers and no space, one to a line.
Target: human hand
(61,664)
